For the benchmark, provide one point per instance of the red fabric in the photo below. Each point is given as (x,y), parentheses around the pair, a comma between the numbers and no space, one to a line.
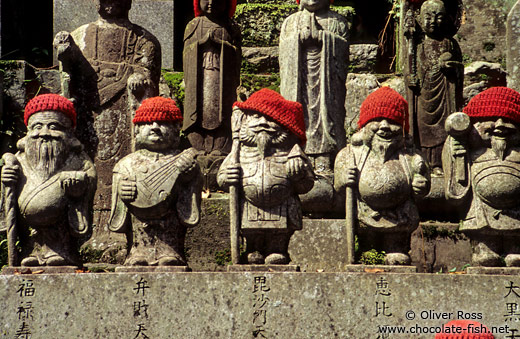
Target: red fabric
(271,104)
(157,109)
(384,103)
(495,102)
(50,102)
(298,1)
(198,11)
(468,332)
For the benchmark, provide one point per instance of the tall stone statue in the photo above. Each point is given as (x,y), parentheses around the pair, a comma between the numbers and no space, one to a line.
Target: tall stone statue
(481,160)
(108,67)
(157,189)
(382,175)
(212,57)
(434,77)
(314,55)
(269,168)
(47,187)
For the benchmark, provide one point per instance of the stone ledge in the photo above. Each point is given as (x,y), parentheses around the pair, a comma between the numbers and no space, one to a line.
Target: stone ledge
(235,305)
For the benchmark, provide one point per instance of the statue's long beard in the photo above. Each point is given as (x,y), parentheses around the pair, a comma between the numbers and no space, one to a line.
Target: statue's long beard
(383,150)
(499,147)
(46,156)
(262,140)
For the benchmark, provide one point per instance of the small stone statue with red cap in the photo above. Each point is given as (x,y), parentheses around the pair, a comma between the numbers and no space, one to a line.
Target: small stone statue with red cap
(47,187)
(270,169)
(481,160)
(383,176)
(156,190)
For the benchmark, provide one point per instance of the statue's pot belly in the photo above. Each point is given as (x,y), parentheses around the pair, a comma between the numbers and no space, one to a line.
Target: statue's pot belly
(498,185)
(265,183)
(45,208)
(383,186)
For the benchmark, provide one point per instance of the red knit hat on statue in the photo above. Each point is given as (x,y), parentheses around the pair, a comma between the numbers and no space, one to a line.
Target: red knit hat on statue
(157,109)
(271,104)
(384,103)
(50,102)
(495,102)
(198,11)
(464,329)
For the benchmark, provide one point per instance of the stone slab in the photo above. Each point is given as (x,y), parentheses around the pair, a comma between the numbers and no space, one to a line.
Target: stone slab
(39,270)
(152,269)
(243,305)
(263,268)
(493,270)
(380,269)
(155,16)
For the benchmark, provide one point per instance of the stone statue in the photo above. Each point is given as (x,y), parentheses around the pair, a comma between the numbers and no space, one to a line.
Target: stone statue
(212,57)
(270,169)
(314,55)
(47,186)
(108,67)
(434,78)
(383,175)
(481,160)
(157,189)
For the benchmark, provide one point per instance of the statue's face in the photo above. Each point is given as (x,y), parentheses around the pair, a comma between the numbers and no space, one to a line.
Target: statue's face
(433,15)
(314,5)
(157,136)
(113,9)
(262,132)
(498,134)
(48,140)
(214,8)
(384,135)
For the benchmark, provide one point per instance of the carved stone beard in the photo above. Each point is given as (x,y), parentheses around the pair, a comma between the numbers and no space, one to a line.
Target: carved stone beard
(46,155)
(263,140)
(383,150)
(499,146)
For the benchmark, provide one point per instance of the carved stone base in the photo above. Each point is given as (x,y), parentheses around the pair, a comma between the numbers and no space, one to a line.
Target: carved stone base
(379,269)
(152,269)
(263,268)
(39,270)
(493,270)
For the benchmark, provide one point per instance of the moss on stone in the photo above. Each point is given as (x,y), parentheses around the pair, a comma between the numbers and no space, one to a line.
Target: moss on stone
(254,82)
(175,81)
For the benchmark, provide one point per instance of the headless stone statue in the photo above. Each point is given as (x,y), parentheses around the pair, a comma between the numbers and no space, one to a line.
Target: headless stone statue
(384,175)
(212,53)
(481,160)
(270,169)
(108,67)
(47,187)
(314,55)
(156,189)
(435,78)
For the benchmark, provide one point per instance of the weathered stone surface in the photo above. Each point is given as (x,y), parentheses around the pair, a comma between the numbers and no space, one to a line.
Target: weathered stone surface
(263,268)
(359,86)
(481,75)
(39,270)
(512,44)
(225,305)
(154,15)
(260,59)
(380,269)
(494,270)
(152,269)
(363,57)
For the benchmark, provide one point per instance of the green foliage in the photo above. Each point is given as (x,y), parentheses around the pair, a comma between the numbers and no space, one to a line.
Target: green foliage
(176,84)
(90,255)
(372,257)
(254,82)
(431,232)
(223,258)
(466,59)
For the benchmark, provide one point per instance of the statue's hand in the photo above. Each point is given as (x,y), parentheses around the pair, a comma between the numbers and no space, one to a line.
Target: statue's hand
(128,190)
(186,162)
(295,168)
(137,81)
(231,175)
(457,148)
(352,177)
(74,183)
(419,184)
(10,174)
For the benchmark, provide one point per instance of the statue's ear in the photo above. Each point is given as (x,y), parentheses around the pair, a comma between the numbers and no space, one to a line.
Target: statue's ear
(20,145)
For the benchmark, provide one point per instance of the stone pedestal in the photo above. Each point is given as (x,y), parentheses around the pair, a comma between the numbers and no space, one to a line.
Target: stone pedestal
(152,269)
(263,268)
(23,270)
(493,270)
(379,269)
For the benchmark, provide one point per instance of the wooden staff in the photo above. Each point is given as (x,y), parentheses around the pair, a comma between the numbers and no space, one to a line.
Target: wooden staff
(10,212)
(234,199)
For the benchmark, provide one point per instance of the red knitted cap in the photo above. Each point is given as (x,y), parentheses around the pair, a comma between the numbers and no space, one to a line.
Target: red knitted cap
(232,7)
(298,1)
(50,102)
(271,104)
(469,330)
(157,109)
(384,103)
(495,102)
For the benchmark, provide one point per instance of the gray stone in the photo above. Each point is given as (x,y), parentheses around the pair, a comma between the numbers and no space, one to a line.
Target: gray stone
(494,270)
(363,57)
(513,43)
(380,269)
(52,182)
(481,75)
(359,86)
(474,89)
(265,172)
(154,15)
(152,269)
(260,59)
(39,270)
(225,305)
(263,268)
